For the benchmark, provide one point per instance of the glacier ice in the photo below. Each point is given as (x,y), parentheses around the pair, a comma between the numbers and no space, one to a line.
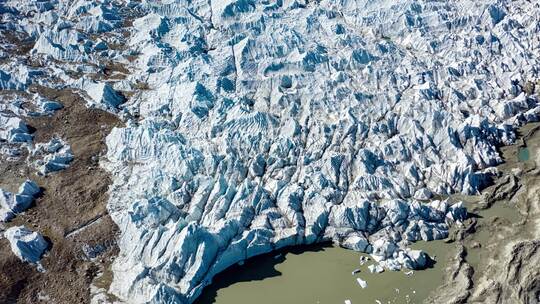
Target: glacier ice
(275,124)
(54,155)
(256,125)
(13,129)
(11,204)
(101,94)
(27,245)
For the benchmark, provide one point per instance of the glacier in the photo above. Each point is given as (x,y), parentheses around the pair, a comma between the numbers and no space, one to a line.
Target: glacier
(252,125)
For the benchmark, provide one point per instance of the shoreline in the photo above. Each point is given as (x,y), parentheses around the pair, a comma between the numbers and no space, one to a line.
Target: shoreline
(235,276)
(484,252)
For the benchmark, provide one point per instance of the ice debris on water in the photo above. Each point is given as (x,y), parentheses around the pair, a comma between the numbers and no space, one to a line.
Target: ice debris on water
(361,282)
(11,204)
(375,268)
(363,259)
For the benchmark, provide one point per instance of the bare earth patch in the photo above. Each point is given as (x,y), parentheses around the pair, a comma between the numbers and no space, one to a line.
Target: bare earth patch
(71,212)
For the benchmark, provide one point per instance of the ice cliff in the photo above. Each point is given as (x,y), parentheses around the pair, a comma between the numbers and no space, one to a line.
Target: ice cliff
(254,125)
(11,204)
(25,244)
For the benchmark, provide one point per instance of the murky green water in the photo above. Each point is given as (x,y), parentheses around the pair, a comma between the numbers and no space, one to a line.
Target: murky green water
(523,154)
(322,274)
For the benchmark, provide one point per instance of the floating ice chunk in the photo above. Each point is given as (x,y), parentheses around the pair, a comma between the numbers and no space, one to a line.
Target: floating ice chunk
(375,268)
(357,270)
(348,302)
(419,258)
(361,282)
(26,245)
(363,260)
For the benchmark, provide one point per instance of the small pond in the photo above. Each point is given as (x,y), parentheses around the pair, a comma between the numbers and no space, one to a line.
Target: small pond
(523,154)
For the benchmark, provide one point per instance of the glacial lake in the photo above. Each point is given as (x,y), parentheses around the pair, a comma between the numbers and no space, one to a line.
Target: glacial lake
(322,274)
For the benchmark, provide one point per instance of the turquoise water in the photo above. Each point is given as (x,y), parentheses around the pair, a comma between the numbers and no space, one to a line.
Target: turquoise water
(523,154)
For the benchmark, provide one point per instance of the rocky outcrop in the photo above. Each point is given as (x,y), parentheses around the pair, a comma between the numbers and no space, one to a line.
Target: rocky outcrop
(499,262)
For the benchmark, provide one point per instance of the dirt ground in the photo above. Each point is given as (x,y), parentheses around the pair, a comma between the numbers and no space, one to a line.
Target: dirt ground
(497,252)
(71,199)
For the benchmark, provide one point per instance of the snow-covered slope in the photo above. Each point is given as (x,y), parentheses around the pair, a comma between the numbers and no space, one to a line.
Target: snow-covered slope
(253,125)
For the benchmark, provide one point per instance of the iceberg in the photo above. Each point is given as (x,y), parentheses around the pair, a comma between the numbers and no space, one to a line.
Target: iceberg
(361,282)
